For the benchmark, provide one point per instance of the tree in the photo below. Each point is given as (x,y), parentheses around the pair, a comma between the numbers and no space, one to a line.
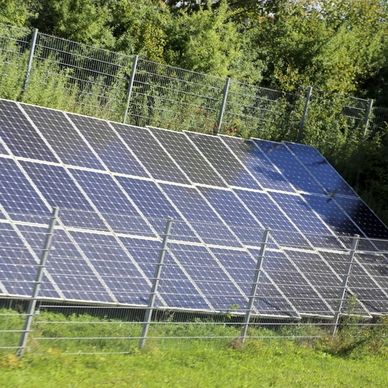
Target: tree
(16,12)
(85,21)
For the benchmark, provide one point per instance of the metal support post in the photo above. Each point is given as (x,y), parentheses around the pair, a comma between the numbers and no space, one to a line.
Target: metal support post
(38,281)
(217,129)
(345,281)
(34,38)
(130,86)
(255,284)
(305,112)
(155,285)
(368,115)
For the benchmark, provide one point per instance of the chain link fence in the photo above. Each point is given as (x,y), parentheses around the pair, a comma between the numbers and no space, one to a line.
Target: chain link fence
(89,292)
(58,73)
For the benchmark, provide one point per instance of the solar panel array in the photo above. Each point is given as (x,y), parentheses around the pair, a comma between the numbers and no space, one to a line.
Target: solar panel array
(117,184)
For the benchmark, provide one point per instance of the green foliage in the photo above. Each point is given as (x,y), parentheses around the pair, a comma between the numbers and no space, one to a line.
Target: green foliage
(84,21)
(275,360)
(15,12)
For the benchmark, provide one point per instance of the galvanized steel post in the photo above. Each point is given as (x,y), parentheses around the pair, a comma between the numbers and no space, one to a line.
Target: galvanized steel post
(217,129)
(34,38)
(255,285)
(345,281)
(37,284)
(130,86)
(155,285)
(367,115)
(305,113)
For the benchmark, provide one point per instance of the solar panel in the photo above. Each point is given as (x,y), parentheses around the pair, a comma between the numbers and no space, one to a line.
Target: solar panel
(158,163)
(219,156)
(20,136)
(110,149)
(116,186)
(257,164)
(197,168)
(62,137)
(319,167)
(290,167)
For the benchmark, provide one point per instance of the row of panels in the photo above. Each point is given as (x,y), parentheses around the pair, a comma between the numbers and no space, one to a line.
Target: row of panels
(105,268)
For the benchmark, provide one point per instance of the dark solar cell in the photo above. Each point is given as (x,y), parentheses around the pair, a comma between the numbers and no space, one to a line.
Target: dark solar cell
(319,167)
(20,136)
(226,164)
(150,153)
(258,165)
(62,137)
(290,167)
(59,190)
(363,217)
(108,146)
(196,167)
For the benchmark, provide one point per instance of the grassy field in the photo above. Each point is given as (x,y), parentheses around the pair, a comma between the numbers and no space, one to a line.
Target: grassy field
(355,358)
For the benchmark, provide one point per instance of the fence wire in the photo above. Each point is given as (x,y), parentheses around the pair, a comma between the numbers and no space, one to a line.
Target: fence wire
(84,79)
(108,292)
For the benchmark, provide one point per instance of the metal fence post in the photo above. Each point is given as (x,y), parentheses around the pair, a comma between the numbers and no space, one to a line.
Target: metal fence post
(255,284)
(368,115)
(217,129)
(305,112)
(38,281)
(34,38)
(345,281)
(130,86)
(155,285)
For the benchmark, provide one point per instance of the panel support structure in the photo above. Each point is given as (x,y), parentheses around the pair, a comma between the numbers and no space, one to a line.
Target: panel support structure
(305,113)
(255,285)
(34,38)
(155,284)
(130,86)
(345,281)
(223,106)
(368,113)
(37,284)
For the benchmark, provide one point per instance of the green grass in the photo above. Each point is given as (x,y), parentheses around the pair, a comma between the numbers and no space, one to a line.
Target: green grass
(357,357)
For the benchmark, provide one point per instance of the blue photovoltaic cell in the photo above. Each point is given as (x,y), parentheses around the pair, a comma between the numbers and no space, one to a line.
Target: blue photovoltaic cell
(175,287)
(376,266)
(306,220)
(219,156)
(112,203)
(290,167)
(321,276)
(18,267)
(201,216)
(62,137)
(332,214)
(196,167)
(150,153)
(241,267)
(17,196)
(257,164)
(108,146)
(20,136)
(299,292)
(368,292)
(209,277)
(155,206)
(271,217)
(323,172)
(363,217)
(59,190)
(233,212)
(115,267)
(67,267)
(3,151)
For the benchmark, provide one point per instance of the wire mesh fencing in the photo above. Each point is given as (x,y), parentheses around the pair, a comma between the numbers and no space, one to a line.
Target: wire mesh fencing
(58,73)
(66,286)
